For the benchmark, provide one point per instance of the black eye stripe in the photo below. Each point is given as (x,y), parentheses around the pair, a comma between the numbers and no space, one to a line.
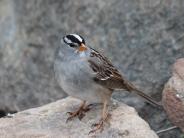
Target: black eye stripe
(72,45)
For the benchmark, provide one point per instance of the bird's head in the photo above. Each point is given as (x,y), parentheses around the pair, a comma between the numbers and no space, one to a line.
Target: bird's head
(75,41)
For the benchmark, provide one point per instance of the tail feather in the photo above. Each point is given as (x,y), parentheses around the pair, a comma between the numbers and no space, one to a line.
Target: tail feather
(131,87)
(148,98)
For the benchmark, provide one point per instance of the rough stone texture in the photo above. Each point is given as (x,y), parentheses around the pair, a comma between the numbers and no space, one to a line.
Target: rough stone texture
(26,76)
(143,38)
(49,122)
(173,95)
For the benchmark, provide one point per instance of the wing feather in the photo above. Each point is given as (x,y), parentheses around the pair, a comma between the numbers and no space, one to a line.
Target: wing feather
(105,73)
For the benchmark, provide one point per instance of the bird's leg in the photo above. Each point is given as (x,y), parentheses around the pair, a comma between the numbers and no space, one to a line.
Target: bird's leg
(79,112)
(105,116)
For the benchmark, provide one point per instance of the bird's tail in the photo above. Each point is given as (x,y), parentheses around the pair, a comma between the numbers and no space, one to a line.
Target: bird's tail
(131,87)
(148,98)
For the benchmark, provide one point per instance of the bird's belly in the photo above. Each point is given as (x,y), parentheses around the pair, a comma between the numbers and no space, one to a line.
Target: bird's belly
(83,90)
(79,84)
(88,94)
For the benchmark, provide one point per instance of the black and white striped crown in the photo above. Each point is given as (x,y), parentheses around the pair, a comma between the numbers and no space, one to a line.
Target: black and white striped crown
(73,40)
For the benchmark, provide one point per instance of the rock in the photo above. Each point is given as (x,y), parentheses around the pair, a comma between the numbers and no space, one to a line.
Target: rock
(26,75)
(173,95)
(49,121)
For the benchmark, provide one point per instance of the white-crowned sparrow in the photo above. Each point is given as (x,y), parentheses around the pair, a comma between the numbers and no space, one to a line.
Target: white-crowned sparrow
(84,73)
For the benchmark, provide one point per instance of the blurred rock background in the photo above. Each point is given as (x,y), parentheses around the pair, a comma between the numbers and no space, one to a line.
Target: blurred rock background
(143,38)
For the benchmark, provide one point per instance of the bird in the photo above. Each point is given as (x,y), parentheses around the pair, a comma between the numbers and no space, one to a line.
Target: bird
(84,73)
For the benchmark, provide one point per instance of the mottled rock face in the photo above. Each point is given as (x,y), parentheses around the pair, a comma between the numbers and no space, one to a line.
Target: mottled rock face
(142,38)
(49,121)
(173,95)
(26,75)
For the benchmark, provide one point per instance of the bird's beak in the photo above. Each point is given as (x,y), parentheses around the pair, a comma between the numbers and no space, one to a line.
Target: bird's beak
(82,47)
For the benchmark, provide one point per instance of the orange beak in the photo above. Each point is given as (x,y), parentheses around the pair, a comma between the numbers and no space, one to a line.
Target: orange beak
(82,47)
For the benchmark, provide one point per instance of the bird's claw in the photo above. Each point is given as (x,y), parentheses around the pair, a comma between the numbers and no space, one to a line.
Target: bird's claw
(80,113)
(97,126)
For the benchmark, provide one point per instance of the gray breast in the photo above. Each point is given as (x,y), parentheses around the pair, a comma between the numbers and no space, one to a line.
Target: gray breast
(72,73)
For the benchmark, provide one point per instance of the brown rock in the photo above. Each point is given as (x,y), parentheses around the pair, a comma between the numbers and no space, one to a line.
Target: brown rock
(173,95)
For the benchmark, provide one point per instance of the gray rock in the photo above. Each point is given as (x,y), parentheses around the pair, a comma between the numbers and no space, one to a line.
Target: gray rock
(49,121)
(26,76)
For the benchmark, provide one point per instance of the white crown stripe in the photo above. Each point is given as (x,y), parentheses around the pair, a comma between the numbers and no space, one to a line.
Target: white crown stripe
(68,40)
(77,36)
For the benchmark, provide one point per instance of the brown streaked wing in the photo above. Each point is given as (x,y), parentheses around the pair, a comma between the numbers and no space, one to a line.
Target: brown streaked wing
(105,73)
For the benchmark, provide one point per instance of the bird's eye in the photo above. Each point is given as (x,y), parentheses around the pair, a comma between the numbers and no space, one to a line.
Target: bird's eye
(73,45)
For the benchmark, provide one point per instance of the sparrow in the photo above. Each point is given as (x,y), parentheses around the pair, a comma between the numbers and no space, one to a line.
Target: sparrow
(86,74)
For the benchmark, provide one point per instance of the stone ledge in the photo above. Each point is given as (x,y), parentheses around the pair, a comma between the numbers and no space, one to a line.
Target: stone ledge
(49,121)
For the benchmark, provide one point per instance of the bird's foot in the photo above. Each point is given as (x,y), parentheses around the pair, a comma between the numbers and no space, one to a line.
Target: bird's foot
(80,113)
(100,125)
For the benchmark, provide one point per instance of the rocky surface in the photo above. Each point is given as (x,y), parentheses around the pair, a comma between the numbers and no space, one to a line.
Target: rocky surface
(49,121)
(143,39)
(173,95)
(26,76)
